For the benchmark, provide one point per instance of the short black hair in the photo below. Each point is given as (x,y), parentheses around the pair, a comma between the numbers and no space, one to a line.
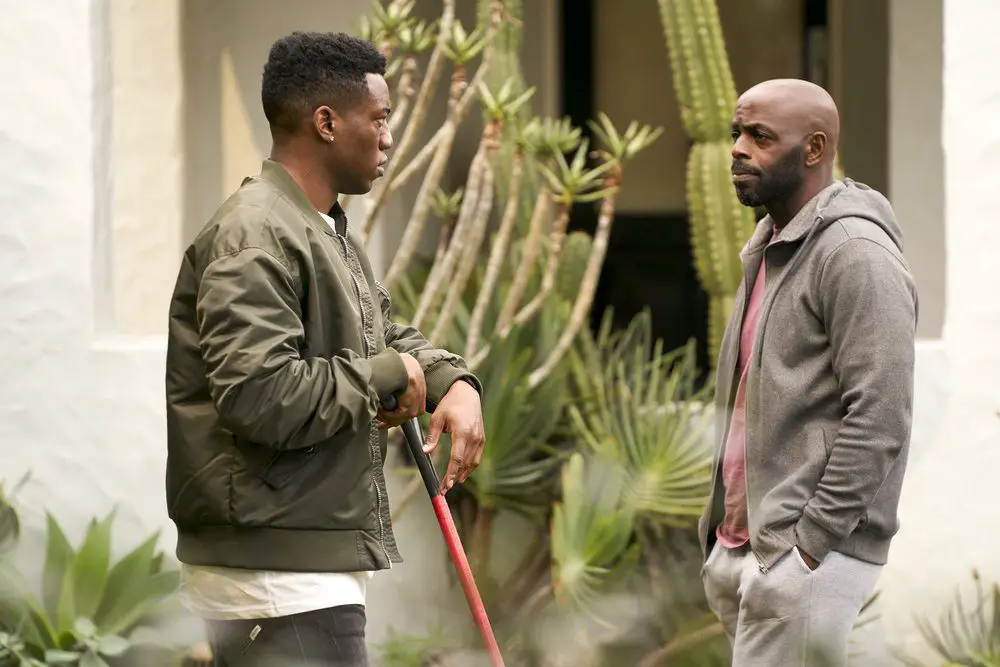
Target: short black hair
(306,69)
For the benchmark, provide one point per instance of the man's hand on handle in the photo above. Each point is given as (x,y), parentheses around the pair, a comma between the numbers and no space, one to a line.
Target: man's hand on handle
(412,402)
(459,414)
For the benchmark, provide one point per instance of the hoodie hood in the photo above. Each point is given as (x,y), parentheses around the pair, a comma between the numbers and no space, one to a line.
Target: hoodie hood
(856,200)
(840,200)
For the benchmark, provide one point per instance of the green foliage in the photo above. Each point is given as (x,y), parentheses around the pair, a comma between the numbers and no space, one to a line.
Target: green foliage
(571,181)
(92,609)
(504,104)
(462,46)
(962,636)
(10,522)
(643,411)
(623,147)
(591,532)
(576,250)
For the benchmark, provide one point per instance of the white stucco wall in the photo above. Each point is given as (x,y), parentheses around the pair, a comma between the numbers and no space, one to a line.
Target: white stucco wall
(950,510)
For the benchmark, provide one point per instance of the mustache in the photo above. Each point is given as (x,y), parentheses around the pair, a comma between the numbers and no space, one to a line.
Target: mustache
(739,168)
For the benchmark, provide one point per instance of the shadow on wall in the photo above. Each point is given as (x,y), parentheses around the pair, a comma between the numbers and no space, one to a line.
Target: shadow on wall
(224,45)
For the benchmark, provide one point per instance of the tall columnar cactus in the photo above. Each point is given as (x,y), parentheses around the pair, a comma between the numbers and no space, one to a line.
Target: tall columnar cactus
(703,82)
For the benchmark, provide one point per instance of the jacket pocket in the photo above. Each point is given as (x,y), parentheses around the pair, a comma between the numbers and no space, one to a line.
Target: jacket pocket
(274,468)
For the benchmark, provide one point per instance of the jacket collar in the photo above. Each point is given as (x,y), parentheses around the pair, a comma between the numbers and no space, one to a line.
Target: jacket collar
(276,174)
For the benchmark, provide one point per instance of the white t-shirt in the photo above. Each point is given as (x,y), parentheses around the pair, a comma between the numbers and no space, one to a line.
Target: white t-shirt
(221,593)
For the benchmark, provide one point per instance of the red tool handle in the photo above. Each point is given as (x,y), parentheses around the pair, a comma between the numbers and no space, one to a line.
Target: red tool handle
(415,441)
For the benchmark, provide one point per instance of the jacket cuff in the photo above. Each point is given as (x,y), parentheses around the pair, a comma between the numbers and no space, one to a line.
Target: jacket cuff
(441,376)
(389,374)
(814,539)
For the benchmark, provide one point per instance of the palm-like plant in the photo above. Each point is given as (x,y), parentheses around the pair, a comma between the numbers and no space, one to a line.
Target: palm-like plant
(591,533)
(645,412)
(460,47)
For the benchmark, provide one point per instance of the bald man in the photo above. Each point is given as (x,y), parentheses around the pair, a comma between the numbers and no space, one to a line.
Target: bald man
(814,391)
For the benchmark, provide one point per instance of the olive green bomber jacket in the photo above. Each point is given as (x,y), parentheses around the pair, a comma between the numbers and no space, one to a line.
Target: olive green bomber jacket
(280,344)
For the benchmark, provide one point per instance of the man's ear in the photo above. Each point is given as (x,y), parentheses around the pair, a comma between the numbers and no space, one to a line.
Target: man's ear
(815,148)
(325,122)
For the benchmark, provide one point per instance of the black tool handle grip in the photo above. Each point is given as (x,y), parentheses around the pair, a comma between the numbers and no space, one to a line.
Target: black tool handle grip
(415,441)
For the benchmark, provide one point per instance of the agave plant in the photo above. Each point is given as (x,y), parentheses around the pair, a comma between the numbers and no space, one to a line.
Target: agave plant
(963,636)
(91,608)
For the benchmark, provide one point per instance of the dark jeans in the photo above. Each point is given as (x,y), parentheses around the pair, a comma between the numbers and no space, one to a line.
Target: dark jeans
(333,637)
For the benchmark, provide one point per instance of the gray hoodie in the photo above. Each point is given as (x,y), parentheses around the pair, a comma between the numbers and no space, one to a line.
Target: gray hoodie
(830,384)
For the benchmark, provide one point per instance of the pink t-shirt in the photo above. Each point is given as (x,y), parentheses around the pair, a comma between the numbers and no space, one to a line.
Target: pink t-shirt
(734,531)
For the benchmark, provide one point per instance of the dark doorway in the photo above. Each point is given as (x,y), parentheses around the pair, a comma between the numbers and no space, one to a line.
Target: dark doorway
(649,262)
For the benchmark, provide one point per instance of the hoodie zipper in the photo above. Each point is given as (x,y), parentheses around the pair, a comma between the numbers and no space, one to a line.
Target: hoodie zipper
(757,357)
(371,446)
(748,289)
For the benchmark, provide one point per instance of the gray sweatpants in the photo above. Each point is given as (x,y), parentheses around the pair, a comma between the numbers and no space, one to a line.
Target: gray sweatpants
(789,615)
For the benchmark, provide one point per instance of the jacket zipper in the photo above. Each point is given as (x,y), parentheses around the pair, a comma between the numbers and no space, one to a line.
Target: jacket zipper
(371,447)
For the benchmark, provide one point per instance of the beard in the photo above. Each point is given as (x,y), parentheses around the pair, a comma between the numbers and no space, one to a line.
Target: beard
(775,183)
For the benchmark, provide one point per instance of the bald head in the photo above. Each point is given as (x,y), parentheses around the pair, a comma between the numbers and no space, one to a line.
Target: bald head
(797,105)
(785,134)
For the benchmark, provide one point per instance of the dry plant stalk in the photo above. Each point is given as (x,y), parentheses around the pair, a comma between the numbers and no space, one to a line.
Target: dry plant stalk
(418,162)
(497,254)
(532,244)
(404,95)
(460,100)
(427,87)
(444,239)
(556,238)
(588,284)
(441,271)
(469,256)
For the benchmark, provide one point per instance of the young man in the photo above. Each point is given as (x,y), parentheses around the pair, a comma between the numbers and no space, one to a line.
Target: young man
(280,349)
(814,391)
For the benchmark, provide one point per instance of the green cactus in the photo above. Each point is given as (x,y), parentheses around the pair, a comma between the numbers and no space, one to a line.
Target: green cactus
(569,275)
(705,91)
